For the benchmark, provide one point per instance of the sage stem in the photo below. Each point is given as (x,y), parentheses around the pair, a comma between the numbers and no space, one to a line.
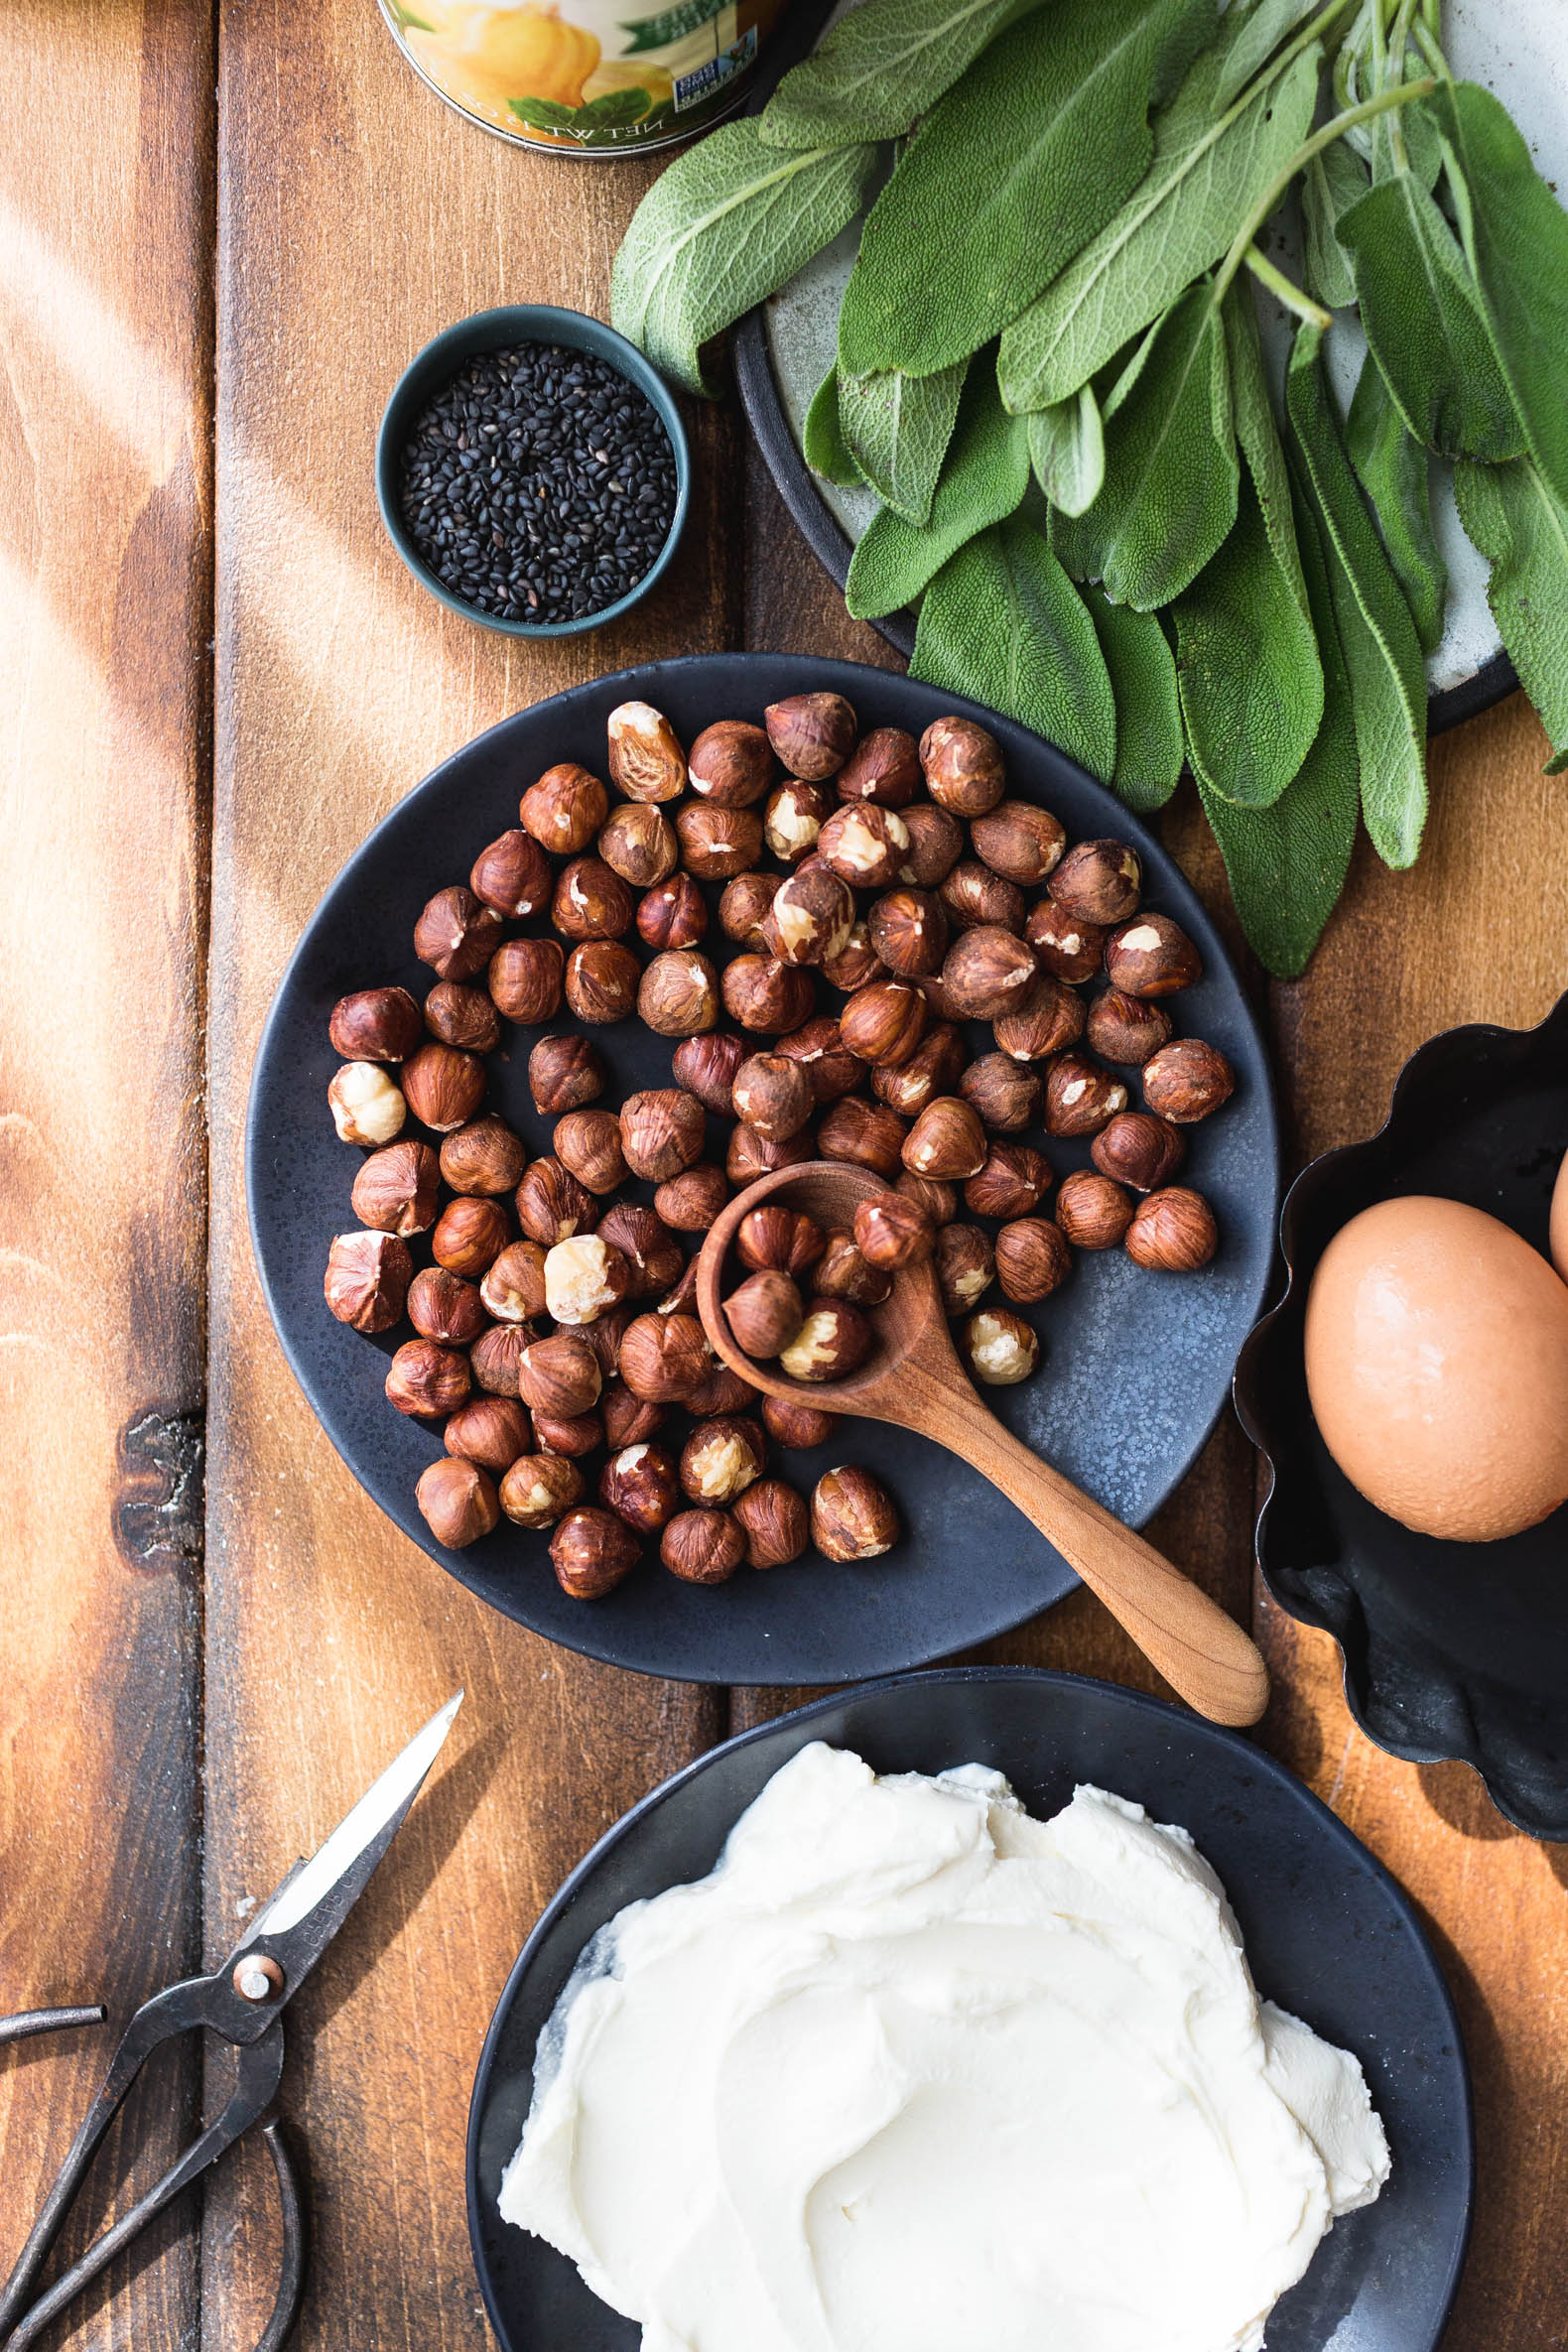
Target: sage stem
(1285,290)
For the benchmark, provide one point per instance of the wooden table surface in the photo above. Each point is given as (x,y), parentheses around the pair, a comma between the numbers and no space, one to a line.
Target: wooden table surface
(222,232)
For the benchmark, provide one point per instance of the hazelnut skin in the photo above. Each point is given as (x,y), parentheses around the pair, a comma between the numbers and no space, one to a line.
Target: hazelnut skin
(460,1014)
(1049,1020)
(537,1488)
(457,1500)
(934,1068)
(584,1278)
(936,844)
(792,819)
(974,898)
(717,843)
(366,1106)
(552,1205)
(909,931)
(1004,1093)
(446,1307)
(679,994)
(857,964)
(1187,1080)
(558,1376)
(426,1380)
(588,1142)
(963,766)
(1126,1031)
(663,1357)
(490,1430)
(794,1425)
(947,1141)
(851,1515)
(1019,841)
(765,1313)
(512,874)
(893,1232)
(601,981)
(1093,1211)
(1032,1259)
(933,1194)
(592,901)
(640,1485)
(774,1521)
(565,809)
(811,733)
(884,766)
(367,1279)
(750,1155)
(646,762)
(811,917)
(1138,1149)
(396,1189)
(1080,1097)
(606,1330)
(864,845)
(654,1257)
(629,1421)
(703,1546)
(843,1271)
(987,972)
(639,843)
(1000,1346)
(1152,957)
(662,1132)
(773,1094)
(965,1266)
(690,1202)
(721,1393)
(375,1026)
(731,765)
(767,995)
(569,1434)
(744,906)
(495,1355)
(593,1552)
(483,1157)
(883,1022)
(1068,947)
(866,1134)
(776,1237)
(819,1050)
(721,1458)
(444,1085)
(673,914)
(456,934)
(833,1340)
(1097,882)
(1014,1180)
(1173,1232)
(525,979)
(706,1066)
(564,1073)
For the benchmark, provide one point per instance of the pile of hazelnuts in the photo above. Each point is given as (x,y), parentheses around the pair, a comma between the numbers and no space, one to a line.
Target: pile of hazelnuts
(906,895)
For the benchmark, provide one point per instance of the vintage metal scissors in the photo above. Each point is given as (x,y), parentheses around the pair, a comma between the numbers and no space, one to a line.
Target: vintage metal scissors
(241,2000)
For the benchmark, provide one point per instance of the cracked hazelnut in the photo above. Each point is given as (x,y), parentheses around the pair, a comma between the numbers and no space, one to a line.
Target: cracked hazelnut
(629,1421)
(588,1142)
(525,979)
(601,981)
(866,1134)
(891,1232)
(706,1066)
(793,818)
(783,1239)
(965,1266)
(1014,1180)
(796,1426)
(538,1487)
(558,1376)
(1019,841)
(773,1094)
(731,765)
(496,1354)
(447,1307)
(811,733)
(974,898)
(1187,1080)
(718,843)
(690,1202)
(662,1132)
(1050,1018)
(883,1022)
(564,1073)
(663,1357)
(744,906)
(1093,1211)
(1173,1232)
(947,1140)
(375,1026)
(366,1106)
(934,1068)
(833,1340)
(884,766)
(703,1546)
(483,1156)
(864,845)
(1097,881)
(457,1500)
(573,1435)
(750,1155)
(774,1521)
(593,1552)
(767,996)
(937,1200)
(641,1485)
(1001,1347)
(909,931)
(936,844)
(367,1279)
(811,917)
(456,934)
(673,914)
(1152,957)
(987,972)
(844,1273)
(963,766)
(1080,1097)
(1138,1149)
(764,1313)
(552,1205)
(423,1378)
(856,963)
(721,1459)
(443,1084)
(1006,1093)
(396,1189)
(583,1277)
(851,1515)
(565,809)
(460,1014)
(646,762)
(512,874)
(1124,1030)
(819,1049)
(490,1430)
(1032,1259)
(639,843)
(513,1288)
(654,1257)
(1068,947)
(591,901)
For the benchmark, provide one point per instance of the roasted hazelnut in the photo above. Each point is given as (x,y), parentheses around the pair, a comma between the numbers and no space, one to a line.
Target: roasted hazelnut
(833,1340)
(866,1134)
(681,1297)
(485,1157)
(1080,1097)
(592,901)
(1186,1080)
(796,1426)
(718,843)
(987,972)
(1093,1211)
(731,765)
(947,1140)
(662,1132)
(396,1189)
(864,845)
(552,1205)
(495,1355)
(851,1515)
(673,914)
(722,1394)
(641,1485)
(605,1333)
(425,1379)
(688,1203)
(445,1306)
(843,1271)
(965,1266)
(1006,1093)
(513,1288)
(629,1421)
(558,1376)
(587,1143)
(456,934)
(679,994)
(1050,1018)
(936,844)
(646,762)
(934,1068)
(375,1026)
(565,809)
(583,1277)
(460,1014)
(811,917)
(884,766)
(601,981)
(1173,1232)
(793,818)
(820,1052)
(512,874)
(367,1279)
(366,1106)
(744,906)
(457,1501)
(721,1459)
(855,964)
(767,996)
(593,1552)
(637,842)
(1138,1149)
(937,1200)
(570,1434)
(1068,947)
(444,1085)
(939,1003)
(1124,1030)
(1152,957)
(1032,1259)
(786,1239)
(1018,840)
(490,1430)
(811,733)
(909,931)
(1097,881)
(764,1313)
(654,1257)
(749,1156)
(706,1066)
(1014,1180)
(972,898)
(538,1487)
(773,1094)
(774,1521)
(564,1073)
(663,1357)
(525,979)
(703,1546)
(883,1022)
(963,766)
(893,1232)
(1000,1346)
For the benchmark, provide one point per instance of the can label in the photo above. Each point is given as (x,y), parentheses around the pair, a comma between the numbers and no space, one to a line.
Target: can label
(591,76)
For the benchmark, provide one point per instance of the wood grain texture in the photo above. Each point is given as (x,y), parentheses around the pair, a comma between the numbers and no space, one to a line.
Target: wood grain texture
(104,598)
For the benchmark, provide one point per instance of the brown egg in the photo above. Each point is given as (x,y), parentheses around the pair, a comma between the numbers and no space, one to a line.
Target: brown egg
(1559,1231)
(1437,1364)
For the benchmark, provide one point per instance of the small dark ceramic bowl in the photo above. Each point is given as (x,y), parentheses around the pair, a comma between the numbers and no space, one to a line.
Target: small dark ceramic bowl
(497,330)
(1451,1649)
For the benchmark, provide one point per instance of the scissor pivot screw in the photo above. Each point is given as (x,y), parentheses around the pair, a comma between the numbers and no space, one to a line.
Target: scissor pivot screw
(256,1978)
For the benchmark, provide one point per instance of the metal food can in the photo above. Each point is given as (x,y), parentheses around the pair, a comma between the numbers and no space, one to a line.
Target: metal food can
(585,77)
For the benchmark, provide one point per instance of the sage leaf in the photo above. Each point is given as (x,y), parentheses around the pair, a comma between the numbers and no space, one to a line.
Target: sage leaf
(1170,489)
(1067,449)
(880,68)
(728,225)
(898,428)
(1142,673)
(1266,25)
(1287,862)
(1008,175)
(1208,172)
(1259,436)
(1516,237)
(1511,514)
(1383,654)
(822,445)
(983,482)
(1422,315)
(1330,184)
(1394,470)
(1002,622)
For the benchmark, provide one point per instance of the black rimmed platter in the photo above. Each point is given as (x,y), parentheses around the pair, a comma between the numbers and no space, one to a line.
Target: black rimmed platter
(1329,1935)
(1452,1650)
(1137,1366)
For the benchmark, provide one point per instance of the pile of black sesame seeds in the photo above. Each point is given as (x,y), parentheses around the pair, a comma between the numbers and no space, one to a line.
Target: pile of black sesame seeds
(539,484)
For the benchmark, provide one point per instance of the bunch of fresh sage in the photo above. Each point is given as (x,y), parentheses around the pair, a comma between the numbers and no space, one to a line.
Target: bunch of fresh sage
(1049,371)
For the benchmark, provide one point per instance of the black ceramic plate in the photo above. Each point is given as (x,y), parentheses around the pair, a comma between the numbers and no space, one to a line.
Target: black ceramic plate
(1137,1366)
(1329,1935)
(1451,1649)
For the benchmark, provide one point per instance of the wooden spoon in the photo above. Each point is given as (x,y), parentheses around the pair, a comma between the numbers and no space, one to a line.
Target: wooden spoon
(914,1379)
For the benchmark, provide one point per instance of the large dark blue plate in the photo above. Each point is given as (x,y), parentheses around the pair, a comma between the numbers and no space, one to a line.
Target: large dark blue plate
(1137,1366)
(1329,1935)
